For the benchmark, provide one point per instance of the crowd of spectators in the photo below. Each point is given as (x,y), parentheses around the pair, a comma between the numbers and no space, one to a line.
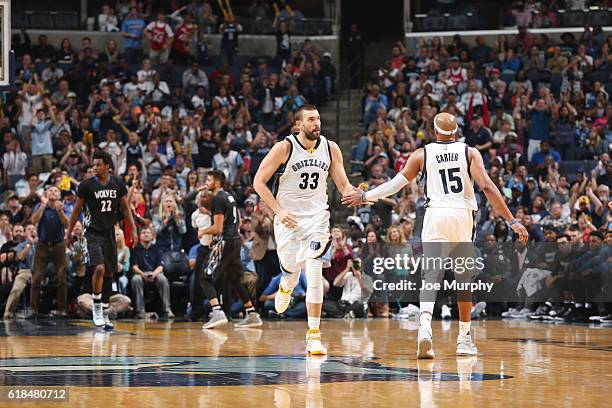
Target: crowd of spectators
(167,113)
(539,112)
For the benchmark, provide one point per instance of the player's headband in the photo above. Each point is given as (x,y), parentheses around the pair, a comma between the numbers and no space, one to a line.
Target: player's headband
(442,131)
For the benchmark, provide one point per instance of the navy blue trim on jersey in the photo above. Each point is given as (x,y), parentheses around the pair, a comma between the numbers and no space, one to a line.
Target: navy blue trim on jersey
(303,147)
(279,172)
(329,152)
(467,158)
(445,141)
(424,175)
(473,225)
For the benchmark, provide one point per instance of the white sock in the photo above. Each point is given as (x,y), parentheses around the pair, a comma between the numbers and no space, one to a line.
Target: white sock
(578,304)
(464,328)
(313,323)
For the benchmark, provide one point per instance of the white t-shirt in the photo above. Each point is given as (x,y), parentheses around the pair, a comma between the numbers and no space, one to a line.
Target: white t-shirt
(199,221)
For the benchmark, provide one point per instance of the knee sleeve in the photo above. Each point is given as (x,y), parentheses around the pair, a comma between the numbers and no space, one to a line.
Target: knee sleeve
(314,279)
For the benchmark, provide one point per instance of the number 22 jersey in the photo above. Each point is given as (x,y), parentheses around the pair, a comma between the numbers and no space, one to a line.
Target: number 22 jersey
(301,189)
(102,202)
(448,182)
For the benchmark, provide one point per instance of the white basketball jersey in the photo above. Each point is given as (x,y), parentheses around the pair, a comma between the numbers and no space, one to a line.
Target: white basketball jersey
(302,187)
(448,183)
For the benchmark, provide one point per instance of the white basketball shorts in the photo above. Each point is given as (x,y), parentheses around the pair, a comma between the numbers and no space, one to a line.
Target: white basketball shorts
(309,240)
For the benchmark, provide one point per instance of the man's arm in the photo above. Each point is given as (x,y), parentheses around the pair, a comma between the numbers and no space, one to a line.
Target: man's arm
(492,193)
(274,159)
(410,171)
(40,211)
(127,213)
(337,171)
(59,208)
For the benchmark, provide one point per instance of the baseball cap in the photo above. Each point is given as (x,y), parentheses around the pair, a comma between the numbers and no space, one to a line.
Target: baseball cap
(327,54)
(454,58)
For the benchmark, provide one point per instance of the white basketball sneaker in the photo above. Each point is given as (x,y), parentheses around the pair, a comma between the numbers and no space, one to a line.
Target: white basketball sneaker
(282,299)
(98,315)
(313,343)
(465,346)
(425,343)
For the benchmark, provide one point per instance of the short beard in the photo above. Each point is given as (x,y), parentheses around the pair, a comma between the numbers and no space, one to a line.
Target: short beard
(311,135)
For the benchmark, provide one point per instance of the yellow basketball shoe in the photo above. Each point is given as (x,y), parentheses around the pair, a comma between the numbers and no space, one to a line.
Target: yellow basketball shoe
(313,343)
(282,299)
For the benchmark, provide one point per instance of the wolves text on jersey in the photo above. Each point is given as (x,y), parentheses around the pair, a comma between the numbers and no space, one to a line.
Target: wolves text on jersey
(310,163)
(105,194)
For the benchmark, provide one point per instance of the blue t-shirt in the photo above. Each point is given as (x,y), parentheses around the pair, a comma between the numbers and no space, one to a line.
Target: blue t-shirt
(29,259)
(540,125)
(41,139)
(193,252)
(134,26)
(50,228)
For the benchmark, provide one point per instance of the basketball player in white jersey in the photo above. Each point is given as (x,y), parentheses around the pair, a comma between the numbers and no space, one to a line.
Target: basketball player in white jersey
(300,202)
(448,168)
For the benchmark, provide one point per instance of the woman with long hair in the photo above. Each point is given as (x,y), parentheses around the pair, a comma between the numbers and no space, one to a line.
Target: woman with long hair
(372,250)
(65,55)
(341,253)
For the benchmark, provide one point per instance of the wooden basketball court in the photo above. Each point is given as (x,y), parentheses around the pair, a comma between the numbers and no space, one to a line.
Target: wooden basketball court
(371,363)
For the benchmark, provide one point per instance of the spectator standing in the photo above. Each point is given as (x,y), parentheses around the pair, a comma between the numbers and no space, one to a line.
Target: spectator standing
(51,221)
(42,147)
(184,34)
(160,34)
(131,30)
(229,39)
(107,20)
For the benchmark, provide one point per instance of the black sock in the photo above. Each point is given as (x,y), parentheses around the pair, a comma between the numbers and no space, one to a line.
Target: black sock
(97,298)
(216,307)
(250,310)
(107,289)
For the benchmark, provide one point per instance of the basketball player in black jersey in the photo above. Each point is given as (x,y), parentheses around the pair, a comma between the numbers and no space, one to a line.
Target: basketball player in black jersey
(104,195)
(224,264)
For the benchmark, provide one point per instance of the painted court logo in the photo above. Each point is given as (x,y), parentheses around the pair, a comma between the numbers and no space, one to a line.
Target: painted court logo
(165,371)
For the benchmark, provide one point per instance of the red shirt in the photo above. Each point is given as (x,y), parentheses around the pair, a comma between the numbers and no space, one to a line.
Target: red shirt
(338,263)
(182,37)
(159,35)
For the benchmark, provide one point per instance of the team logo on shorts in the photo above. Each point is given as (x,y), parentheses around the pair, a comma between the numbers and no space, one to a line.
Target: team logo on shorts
(315,245)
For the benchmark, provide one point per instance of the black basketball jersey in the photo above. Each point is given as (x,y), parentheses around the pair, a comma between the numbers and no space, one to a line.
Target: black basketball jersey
(102,202)
(224,203)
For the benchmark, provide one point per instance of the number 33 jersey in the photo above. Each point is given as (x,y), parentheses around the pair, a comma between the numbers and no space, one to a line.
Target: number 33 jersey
(102,202)
(448,182)
(302,187)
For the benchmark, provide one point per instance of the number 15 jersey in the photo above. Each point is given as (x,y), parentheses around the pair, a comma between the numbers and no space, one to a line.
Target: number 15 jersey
(448,182)
(301,188)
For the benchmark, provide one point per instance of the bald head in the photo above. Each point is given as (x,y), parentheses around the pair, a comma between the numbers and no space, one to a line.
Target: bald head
(445,125)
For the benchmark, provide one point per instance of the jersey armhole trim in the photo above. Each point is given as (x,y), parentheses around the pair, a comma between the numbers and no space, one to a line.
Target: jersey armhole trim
(469,162)
(329,151)
(424,173)
(290,152)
